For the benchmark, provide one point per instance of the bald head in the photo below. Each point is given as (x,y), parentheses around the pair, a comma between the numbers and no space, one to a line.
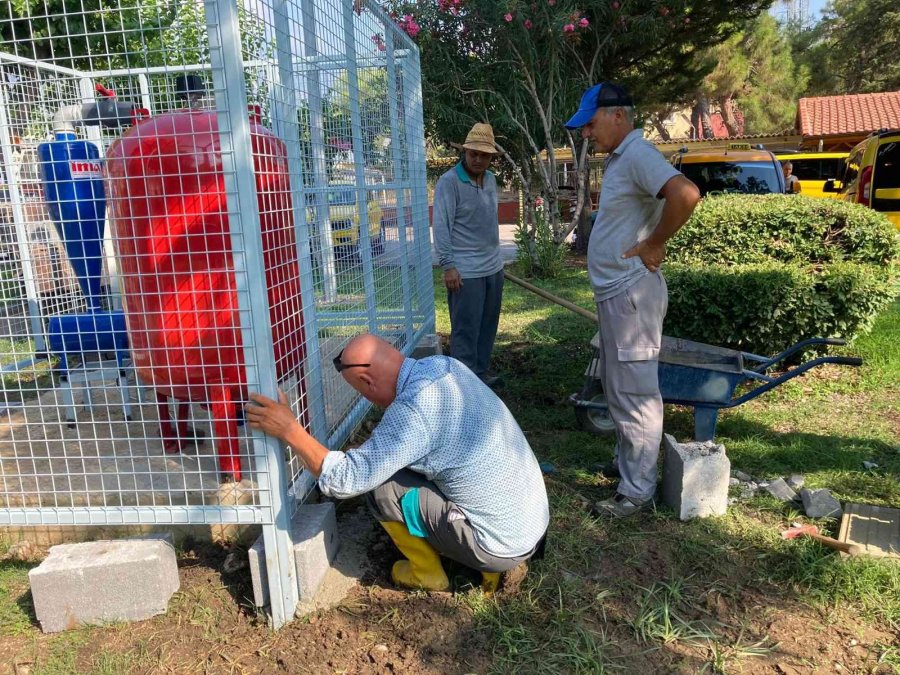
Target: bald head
(377,381)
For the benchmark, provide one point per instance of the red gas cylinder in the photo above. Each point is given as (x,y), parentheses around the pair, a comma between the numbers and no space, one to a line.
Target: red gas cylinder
(168,213)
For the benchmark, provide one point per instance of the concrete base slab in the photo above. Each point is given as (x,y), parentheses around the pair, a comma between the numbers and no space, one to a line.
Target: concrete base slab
(429,345)
(103,581)
(346,569)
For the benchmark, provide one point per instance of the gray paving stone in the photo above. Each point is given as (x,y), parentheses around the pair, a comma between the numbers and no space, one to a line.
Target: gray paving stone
(781,490)
(820,504)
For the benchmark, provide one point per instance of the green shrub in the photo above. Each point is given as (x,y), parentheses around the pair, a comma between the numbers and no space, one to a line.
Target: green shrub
(537,253)
(742,229)
(767,307)
(761,273)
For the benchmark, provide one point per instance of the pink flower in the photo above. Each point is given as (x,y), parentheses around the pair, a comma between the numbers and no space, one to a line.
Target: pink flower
(528,24)
(584,23)
(539,202)
(568,28)
(408,23)
(507,17)
(615,5)
(551,2)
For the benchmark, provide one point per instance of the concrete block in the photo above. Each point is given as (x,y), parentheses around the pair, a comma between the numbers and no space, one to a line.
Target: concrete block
(102,581)
(820,504)
(781,490)
(795,482)
(316,543)
(695,478)
(429,345)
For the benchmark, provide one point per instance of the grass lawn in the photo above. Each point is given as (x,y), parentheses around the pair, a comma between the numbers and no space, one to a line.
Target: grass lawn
(649,595)
(657,595)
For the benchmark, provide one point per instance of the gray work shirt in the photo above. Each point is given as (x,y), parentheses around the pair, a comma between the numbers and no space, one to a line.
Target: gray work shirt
(466,231)
(629,211)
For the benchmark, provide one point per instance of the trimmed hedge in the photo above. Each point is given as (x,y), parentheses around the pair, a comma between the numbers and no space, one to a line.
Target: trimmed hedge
(742,229)
(761,273)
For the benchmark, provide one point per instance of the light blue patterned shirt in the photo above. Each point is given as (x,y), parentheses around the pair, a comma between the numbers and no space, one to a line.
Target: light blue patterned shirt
(449,426)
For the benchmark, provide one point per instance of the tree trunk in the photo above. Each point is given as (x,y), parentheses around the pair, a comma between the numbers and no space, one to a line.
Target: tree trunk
(729,116)
(700,119)
(657,122)
(584,218)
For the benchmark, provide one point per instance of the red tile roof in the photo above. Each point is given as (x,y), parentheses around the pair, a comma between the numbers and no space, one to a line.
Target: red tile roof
(850,114)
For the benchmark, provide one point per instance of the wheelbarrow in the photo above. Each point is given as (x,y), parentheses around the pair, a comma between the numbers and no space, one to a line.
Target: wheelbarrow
(694,374)
(702,376)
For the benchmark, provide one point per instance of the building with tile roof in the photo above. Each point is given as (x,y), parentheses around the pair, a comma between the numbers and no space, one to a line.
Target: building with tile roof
(840,122)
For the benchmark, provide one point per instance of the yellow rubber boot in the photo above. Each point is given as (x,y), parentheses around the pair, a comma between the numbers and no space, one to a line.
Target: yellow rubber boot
(423,568)
(490,582)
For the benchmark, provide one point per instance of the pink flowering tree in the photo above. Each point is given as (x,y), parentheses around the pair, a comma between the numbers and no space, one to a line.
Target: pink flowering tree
(522,65)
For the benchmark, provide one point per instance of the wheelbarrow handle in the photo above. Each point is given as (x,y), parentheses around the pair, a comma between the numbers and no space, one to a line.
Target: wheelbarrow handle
(846,360)
(766,363)
(791,374)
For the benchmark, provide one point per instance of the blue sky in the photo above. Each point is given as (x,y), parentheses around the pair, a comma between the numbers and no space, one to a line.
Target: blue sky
(816,7)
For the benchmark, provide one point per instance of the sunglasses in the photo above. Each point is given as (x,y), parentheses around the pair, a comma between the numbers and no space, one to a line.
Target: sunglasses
(338,366)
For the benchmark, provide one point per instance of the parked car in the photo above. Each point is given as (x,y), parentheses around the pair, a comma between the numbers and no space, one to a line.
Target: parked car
(814,169)
(871,175)
(344,215)
(737,169)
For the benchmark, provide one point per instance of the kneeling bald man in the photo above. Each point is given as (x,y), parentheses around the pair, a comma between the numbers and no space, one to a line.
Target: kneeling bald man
(447,470)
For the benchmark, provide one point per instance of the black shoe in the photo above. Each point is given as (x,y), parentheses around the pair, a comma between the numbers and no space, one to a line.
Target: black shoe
(608,469)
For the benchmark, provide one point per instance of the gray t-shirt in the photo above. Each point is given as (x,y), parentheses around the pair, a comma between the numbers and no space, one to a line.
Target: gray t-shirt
(466,232)
(629,211)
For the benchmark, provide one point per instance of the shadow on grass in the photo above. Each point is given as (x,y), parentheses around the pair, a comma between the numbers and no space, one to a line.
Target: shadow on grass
(652,594)
(826,460)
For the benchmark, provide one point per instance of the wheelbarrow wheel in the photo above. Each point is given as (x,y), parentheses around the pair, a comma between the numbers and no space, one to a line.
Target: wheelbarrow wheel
(594,420)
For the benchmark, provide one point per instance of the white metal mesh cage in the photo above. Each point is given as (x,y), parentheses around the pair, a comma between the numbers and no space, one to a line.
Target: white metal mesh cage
(198,200)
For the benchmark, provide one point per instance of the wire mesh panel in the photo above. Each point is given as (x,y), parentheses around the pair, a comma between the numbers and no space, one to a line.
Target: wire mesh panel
(199,200)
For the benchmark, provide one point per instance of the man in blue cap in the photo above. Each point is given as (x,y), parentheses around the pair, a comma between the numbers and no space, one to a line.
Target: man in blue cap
(643,202)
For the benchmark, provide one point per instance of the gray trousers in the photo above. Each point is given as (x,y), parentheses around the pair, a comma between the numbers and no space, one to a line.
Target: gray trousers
(474,316)
(449,531)
(630,336)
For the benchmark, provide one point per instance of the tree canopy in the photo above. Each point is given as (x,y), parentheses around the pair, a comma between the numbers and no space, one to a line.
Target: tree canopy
(755,81)
(854,49)
(522,65)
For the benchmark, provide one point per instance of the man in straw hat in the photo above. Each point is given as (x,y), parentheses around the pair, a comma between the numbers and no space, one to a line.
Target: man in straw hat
(467,239)
(643,202)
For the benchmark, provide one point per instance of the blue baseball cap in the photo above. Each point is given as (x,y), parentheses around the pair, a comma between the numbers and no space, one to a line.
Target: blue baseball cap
(614,96)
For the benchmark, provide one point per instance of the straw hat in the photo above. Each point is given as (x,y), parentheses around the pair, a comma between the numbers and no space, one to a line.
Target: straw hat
(480,138)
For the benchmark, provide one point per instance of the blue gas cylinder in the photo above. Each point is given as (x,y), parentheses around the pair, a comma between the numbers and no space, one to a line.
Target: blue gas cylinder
(73,187)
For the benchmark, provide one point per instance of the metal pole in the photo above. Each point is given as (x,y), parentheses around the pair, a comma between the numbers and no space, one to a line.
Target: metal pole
(146,99)
(359,159)
(256,333)
(415,144)
(317,139)
(287,123)
(18,212)
(399,196)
